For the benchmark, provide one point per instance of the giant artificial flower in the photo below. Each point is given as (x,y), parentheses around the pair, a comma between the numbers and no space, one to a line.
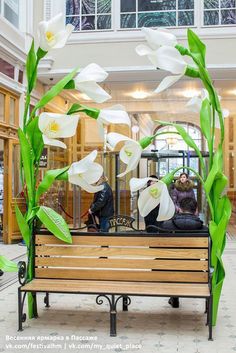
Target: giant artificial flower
(130,153)
(86,82)
(86,172)
(113,115)
(55,126)
(195,104)
(154,195)
(53,34)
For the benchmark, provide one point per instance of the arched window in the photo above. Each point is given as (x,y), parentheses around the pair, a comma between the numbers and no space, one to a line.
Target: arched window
(175,144)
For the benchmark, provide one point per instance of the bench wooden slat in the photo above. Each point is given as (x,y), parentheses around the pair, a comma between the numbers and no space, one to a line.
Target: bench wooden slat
(167,242)
(123,275)
(140,288)
(98,251)
(194,265)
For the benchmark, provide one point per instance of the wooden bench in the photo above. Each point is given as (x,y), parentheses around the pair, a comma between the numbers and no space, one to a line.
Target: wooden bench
(116,266)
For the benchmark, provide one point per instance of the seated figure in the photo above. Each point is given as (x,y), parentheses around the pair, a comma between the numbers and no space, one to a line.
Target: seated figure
(186,219)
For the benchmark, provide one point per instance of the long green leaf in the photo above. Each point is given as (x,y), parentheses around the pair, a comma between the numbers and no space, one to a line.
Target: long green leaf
(31,71)
(196,46)
(27,159)
(24,228)
(216,169)
(36,138)
(55,90)
(7,265)
(76,107)
(205,121)
(49,178)
(54,223)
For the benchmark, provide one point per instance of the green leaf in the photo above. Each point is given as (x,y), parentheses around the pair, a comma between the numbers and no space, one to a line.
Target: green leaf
(27,160)
(70,85)
(41,53)
(24,228)
(31,71)
(49,178)
(74,109)
(205,121)
(36,138)
(55,90)
(216,169)
(196,46)
(54,223)
(7,265)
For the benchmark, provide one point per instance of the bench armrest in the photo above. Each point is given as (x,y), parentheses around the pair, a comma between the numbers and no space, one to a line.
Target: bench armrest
(22,272)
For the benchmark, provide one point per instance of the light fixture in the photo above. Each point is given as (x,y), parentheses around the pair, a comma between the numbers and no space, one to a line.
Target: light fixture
(139,94)
(190,93)
(135,129)
(225,113)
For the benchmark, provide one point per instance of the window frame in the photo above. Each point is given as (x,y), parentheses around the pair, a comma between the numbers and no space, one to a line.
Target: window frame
(117,34)
(2,13)
(216,9)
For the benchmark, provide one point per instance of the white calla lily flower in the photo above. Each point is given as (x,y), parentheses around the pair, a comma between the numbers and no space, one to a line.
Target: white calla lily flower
(54,126)
(86,172)
(113,115)
(158,37)
(130,153)
(154,195)
(86,82)
(53,34)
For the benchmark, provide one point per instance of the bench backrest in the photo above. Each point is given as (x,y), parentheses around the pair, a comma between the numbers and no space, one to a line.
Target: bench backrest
(131,257)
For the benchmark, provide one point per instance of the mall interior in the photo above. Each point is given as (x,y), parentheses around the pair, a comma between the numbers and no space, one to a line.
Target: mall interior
(107,32)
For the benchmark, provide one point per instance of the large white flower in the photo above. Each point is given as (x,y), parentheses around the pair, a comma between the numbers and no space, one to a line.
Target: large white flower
(130,153)
(53,34)
(195,104)
(86,172)
(113,115)
(152,196)
(55,126)
(166,58)
(86,82)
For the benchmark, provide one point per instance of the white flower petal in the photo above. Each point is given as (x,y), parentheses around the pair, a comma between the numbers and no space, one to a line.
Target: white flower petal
(92,72)
(133,161)
(139,183)
(143,49)
(93,174)
(53,142)
(169,59)
(158,37)
(58,125)
(130,150)
(93,91)
(62,37)
(77,180)
(146,203)
(167,82)
(113,138)
(194,104)
(167,207)
(83,165)
(112,116)
(56,23)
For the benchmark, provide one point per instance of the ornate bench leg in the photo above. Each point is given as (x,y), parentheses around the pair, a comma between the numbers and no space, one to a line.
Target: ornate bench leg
(210,318)
(113,317)
(21,315)
(46,300)
(125,303)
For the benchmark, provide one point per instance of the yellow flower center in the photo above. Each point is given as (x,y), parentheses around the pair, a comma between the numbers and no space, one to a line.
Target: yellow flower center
(128,153)
(154,192)
(50,36)
(54,127)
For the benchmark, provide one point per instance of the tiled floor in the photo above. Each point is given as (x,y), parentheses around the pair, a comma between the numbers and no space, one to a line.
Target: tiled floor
(76,323)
